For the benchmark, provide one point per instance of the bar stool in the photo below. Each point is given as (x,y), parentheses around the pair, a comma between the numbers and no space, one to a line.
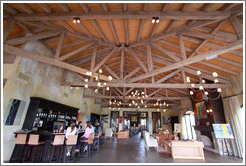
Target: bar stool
(31,150)
(70,143)
(19,148)
(90,142)
(58,143)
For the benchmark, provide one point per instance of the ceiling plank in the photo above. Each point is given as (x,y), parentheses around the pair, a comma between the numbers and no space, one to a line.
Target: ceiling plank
(7,28)
(237,26)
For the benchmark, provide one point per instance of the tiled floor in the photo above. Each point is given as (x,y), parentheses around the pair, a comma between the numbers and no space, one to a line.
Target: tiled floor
(132,151)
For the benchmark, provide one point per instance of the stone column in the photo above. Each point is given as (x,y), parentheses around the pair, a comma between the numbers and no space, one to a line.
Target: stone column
(121,124)
(150,122)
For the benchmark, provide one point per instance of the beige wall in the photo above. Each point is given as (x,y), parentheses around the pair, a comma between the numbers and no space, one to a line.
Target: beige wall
(237,88)
(45,83)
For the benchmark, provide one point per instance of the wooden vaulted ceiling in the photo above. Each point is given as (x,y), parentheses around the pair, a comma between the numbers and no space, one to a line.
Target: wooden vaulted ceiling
(185,30)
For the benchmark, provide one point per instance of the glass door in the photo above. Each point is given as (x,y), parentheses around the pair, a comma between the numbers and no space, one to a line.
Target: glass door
(114,123)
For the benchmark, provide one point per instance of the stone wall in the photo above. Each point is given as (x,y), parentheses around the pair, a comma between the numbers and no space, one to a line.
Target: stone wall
(44,82)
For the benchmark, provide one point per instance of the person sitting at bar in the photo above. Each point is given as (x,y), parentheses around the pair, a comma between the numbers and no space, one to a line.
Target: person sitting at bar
(70,131)
(61,129)
(80,129)
(84,137)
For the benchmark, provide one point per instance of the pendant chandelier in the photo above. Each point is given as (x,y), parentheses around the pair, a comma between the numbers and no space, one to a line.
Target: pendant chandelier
(114,105)
(204,91)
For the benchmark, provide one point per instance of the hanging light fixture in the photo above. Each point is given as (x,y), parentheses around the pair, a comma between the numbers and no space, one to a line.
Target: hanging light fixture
(76,20)
(205,92)
(155,20)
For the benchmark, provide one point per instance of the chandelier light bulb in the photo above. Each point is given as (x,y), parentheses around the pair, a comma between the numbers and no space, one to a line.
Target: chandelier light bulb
(120,102)
(154,104)
(146,95)
(86,80)
(110,78)
(138,106)
(219,90)
(71,87)
(145,106)
(115,101)
(187,79)
(118,108)
(110,108)
(129,96)
(136,103)
(96,78)
(143,93)
(203,81)
(132,93)
(86,85)
(98,84)
(74,21)
(210,110)
(107,88)
(130,104)
(167,105)
(216,81)
(200,87)
(158,109)
(104,83)
(78,21)
(160,104)
(96,90)
(198,72)
(207,110)
(157,21)
(191,93)
(206,93)
(100,71)
(113,108)
(215,74)
(164,110)
(133,101)
(142,101)
(153,20)
(164,103)
(192,85)
(77,88)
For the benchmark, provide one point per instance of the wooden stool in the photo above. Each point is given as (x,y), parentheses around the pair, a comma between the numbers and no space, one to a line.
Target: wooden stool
(71,142)
(33,144)
(89,144)
(20,145)
(58,143)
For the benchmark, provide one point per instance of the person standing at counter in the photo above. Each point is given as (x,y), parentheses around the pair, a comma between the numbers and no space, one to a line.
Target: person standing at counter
(70,131)
(84,137)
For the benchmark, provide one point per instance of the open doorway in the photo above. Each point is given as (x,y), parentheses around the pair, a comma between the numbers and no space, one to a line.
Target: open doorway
(156,121)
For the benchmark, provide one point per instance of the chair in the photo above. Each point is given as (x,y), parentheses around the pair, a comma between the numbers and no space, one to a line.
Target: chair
(31,150)
(20,145)
(71,142)
(57,144)
(150,141)
(108,132)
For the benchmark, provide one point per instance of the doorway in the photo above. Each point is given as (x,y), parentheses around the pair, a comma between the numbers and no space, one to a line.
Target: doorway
(156,121)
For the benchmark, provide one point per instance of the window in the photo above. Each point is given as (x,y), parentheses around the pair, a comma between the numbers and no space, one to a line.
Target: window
(14,112)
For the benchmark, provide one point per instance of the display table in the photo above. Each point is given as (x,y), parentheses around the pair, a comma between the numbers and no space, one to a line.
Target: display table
(187,149)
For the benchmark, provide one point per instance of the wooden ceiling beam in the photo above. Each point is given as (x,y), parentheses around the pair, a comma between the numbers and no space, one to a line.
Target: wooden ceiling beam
(232,46)
(7,28)
(59,45)
(47,60)
(126,24)
(93,57)
(141,23)
(9,9)
(21,40)
(104,60)
(138,60)
(126,97)
(168,76)
(164,9)
(67,55)
(132,73)
(237,26)
(111,72)
(146,15)
(122,62)
(148,85)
